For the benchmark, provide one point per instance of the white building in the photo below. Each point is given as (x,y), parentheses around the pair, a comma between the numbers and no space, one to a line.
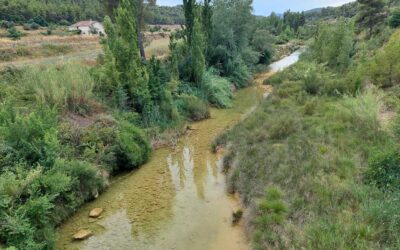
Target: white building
(88,27)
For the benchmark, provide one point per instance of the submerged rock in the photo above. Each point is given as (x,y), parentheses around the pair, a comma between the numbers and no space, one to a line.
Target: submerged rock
(82,234)
(94,213)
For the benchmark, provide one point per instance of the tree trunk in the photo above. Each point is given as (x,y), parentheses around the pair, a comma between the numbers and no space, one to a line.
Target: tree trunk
(141,45)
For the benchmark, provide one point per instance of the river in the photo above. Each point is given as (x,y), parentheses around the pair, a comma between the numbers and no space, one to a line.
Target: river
(178,199)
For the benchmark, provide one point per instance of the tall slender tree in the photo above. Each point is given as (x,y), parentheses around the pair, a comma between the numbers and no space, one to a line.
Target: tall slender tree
(123,58)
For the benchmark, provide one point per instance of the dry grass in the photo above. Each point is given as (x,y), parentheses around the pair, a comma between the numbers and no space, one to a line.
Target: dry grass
(158,48)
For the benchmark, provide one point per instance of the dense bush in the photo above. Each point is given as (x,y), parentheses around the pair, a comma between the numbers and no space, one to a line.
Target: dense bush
(385,68)
(334,45)
(30,139)
(384,170)
(217,89)
(192,107)
(394,19)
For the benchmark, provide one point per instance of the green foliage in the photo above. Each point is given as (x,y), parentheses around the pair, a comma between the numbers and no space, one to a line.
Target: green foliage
(231,33)
(217,89)
(385,67)
(192,107)
(133,148)
(13,33)
(394,19)
(370,14)
(30,139)
(42,12)
(122,72)
(334,45)
(384,170)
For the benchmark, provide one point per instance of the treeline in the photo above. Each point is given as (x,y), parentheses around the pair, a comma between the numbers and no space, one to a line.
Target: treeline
(70,11)
(65,128)
(53,11)
(165,15)
(317,163)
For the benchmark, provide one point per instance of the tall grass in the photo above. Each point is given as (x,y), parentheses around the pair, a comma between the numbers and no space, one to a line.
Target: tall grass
(67,87)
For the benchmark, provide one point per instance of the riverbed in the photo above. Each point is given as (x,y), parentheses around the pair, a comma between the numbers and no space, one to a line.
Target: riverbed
(178,199)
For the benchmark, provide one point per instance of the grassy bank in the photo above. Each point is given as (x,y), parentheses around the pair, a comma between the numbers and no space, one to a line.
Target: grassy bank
(315,164)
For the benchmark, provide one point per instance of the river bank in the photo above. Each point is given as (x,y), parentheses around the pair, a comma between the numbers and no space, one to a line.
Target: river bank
(177,200)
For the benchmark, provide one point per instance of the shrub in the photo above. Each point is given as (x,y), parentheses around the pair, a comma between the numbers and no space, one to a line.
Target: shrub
(30,138)
(192,107)
(109,143)
(217,89)
(394,19)
(133,148)
(384,170)
(13,33)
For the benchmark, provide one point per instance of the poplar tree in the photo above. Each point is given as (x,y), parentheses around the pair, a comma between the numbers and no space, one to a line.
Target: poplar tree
(123,59)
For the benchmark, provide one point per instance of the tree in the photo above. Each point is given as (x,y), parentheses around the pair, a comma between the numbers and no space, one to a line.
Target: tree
(370,13)
(189,10)
(141,7)
(207,25)
(122,59)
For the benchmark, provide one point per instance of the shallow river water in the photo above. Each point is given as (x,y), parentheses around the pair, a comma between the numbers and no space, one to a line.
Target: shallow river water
(178,199)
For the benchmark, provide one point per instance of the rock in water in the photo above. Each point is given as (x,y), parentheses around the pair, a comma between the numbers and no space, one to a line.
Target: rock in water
(82,234)
(94,213)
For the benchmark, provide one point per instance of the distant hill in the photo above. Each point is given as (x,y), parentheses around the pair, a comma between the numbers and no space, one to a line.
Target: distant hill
(346,10)
(166,15)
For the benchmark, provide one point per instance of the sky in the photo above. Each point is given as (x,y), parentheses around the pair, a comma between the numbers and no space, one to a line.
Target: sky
(265,7)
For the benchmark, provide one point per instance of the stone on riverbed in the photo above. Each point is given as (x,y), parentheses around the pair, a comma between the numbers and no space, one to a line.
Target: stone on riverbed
(94,213)
(82,234)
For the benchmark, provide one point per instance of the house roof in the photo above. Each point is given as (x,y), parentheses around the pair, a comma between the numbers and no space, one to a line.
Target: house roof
(83,24)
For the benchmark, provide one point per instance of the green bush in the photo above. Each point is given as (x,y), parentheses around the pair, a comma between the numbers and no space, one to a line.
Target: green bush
(13,33)
(192,107)
(30,138)
(217,89)
(115,145)
(133,148)
(394,19)
(384,170)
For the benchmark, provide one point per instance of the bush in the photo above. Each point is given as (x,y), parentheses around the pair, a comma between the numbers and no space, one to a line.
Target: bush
(133,148)
(13,33)
(116,146)
(217,89)
(394,19)
(192,107)
(30,138)
(6,24)
(384,170)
